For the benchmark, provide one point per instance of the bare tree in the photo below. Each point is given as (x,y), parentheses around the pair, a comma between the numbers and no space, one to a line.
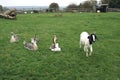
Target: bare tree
(87,4)
(112,3)
(54,6)
(72,6)
(105,1)
(1,8)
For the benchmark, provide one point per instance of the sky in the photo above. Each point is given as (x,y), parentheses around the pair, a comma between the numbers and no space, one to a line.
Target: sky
(38,2)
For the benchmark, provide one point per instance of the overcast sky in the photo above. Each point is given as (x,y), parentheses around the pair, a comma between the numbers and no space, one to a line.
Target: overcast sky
(38,2)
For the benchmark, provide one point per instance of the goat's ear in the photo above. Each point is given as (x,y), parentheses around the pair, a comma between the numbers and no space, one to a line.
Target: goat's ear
(96,37)
(88,37)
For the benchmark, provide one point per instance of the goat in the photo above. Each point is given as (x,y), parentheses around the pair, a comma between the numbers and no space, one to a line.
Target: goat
(87,40)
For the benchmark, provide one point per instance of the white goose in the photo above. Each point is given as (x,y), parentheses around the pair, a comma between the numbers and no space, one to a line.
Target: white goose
(55,45)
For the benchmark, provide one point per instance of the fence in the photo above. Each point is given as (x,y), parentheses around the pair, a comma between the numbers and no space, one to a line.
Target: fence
(73,10)
(113,9)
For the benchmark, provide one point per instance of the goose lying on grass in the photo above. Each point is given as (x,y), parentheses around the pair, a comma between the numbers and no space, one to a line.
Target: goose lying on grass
(31,46)
(55,45)
(14,37)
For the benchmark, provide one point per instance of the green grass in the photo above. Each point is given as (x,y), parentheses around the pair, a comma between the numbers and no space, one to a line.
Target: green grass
(17,63)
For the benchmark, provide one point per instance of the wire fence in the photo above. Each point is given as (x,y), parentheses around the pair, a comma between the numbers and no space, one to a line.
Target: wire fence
(72,10)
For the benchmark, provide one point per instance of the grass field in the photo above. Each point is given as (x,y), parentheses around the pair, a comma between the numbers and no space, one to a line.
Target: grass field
(17,63)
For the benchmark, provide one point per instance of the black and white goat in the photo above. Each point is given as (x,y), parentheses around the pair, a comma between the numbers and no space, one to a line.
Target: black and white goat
(87,40)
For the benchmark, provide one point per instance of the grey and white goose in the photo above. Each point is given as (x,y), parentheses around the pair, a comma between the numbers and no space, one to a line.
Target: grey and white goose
(34,39)
(14,38)
(30,46)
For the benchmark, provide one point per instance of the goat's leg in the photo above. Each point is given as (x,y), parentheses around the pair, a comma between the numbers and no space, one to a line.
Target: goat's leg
(91,50)
(86,50)
(80,44)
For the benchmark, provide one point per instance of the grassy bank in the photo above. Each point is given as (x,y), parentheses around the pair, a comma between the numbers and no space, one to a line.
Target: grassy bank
(17,63)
